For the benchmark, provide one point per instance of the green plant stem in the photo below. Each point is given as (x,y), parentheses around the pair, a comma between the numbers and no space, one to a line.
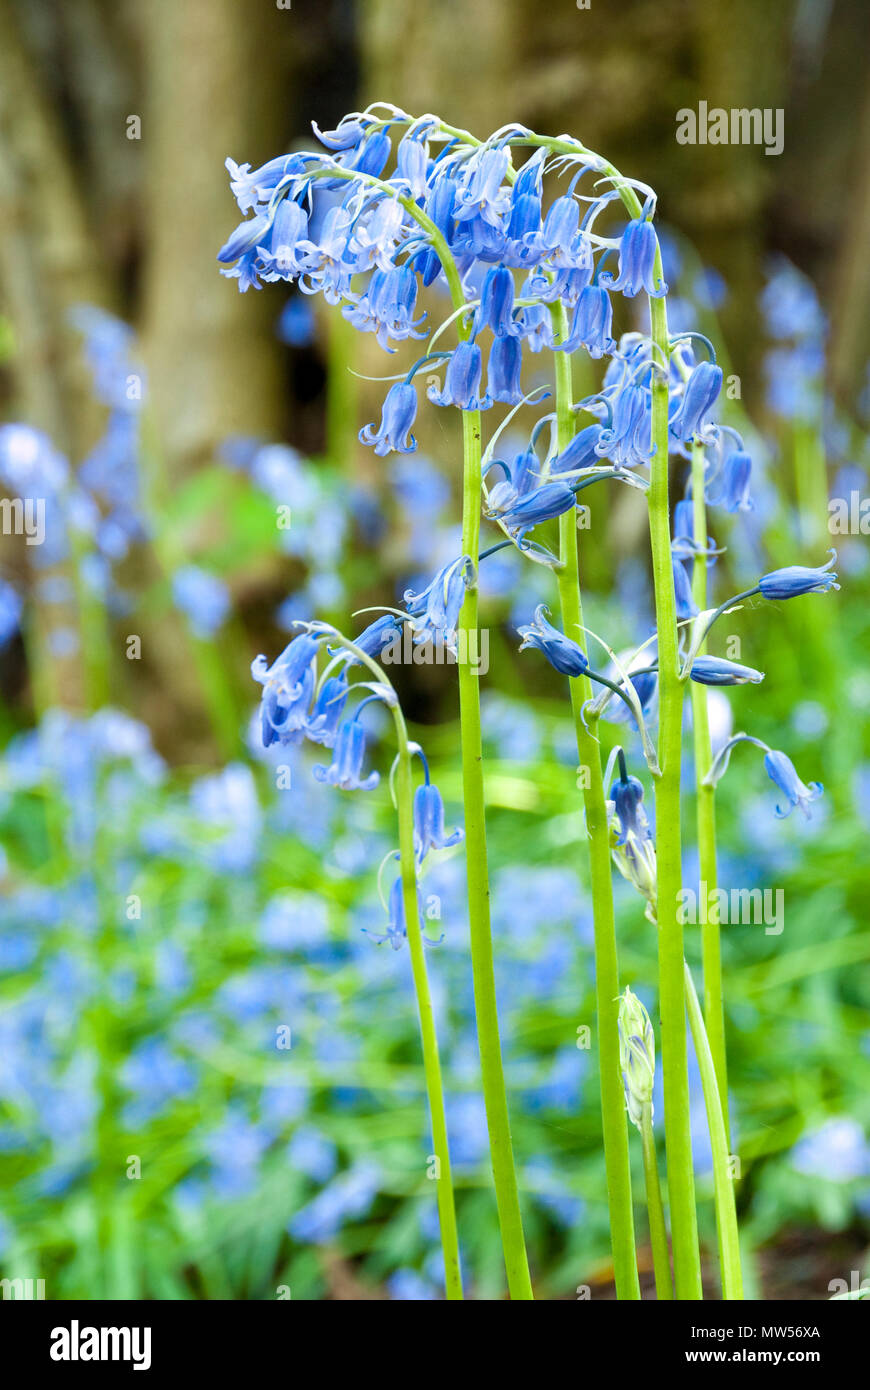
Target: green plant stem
(726,1211)
(428,1034)
(678,1139)
(482,965)
(615,1130)
(655,1211)
(711,944)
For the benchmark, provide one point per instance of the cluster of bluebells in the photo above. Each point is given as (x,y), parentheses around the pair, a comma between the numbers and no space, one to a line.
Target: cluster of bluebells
(391,206)
(300,703)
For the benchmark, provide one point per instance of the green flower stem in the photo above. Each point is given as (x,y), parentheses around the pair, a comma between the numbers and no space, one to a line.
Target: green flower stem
(655,1211)
(726,1212)
(486,1009)
(711,945)
(428,1034)
(678,1139)
(616,1153)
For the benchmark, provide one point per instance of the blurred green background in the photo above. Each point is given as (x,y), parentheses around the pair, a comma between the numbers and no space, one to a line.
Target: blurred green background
(164,910)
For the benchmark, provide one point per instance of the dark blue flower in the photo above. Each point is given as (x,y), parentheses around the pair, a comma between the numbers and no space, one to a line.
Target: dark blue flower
(544,503)
(715,670)
(580,453)
(591,323)
(434,612)
(627,798)
(496,308)
(429,832)
(462,380)
(795,580)
(637,255)
(689,421)
(398,415)
(288,687)
(781,770)
(503,371)
(345,770)
(565,655)
(628,439)
(378,635)
(439,208)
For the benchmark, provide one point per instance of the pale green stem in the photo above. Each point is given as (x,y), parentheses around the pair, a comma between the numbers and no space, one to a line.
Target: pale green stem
(678,1138)
(726,1211)
(711,945)
(655,1211)
(428,1034)
(616,1152)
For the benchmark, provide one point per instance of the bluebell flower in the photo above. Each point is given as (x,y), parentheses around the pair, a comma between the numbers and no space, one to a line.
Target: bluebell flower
(429,832)
(462,380)
(503,371)
(627,798)
(637,254)
(781,770)
(686,605)
(202,597)
(345,770)
(397,930)
(481,197)
(627,440)
(374,638)
(397,416)
(346,136)
(434,612)
(591,323)
(645,684)
(690,420)
(252,188)
(288,688)
(387,307)
(535,324)
(322,723)
(562,653)
(790,304)
(715,670)
(375,235)
(496,307)
(326,269)
(544,503)
(279,250)
(413,164)
(560,239)
(581,453)
(732,485)
(439,209)
(794,580)
(371,156)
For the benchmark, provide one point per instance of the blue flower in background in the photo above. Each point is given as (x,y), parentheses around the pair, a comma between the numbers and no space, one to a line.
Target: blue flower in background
(295,325)
(10,613)
(203,598)
(837,1151)
(347,1196)
(781,770)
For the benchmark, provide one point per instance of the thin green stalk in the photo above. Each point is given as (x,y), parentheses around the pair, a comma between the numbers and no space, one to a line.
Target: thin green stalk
(655,1211)
(486,1009)
(616,1153)
(678,1139)
(428,1034)
(726,1212)
(711,945)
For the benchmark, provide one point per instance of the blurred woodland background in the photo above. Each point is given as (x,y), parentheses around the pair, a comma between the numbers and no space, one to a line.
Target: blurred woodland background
(116,119)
